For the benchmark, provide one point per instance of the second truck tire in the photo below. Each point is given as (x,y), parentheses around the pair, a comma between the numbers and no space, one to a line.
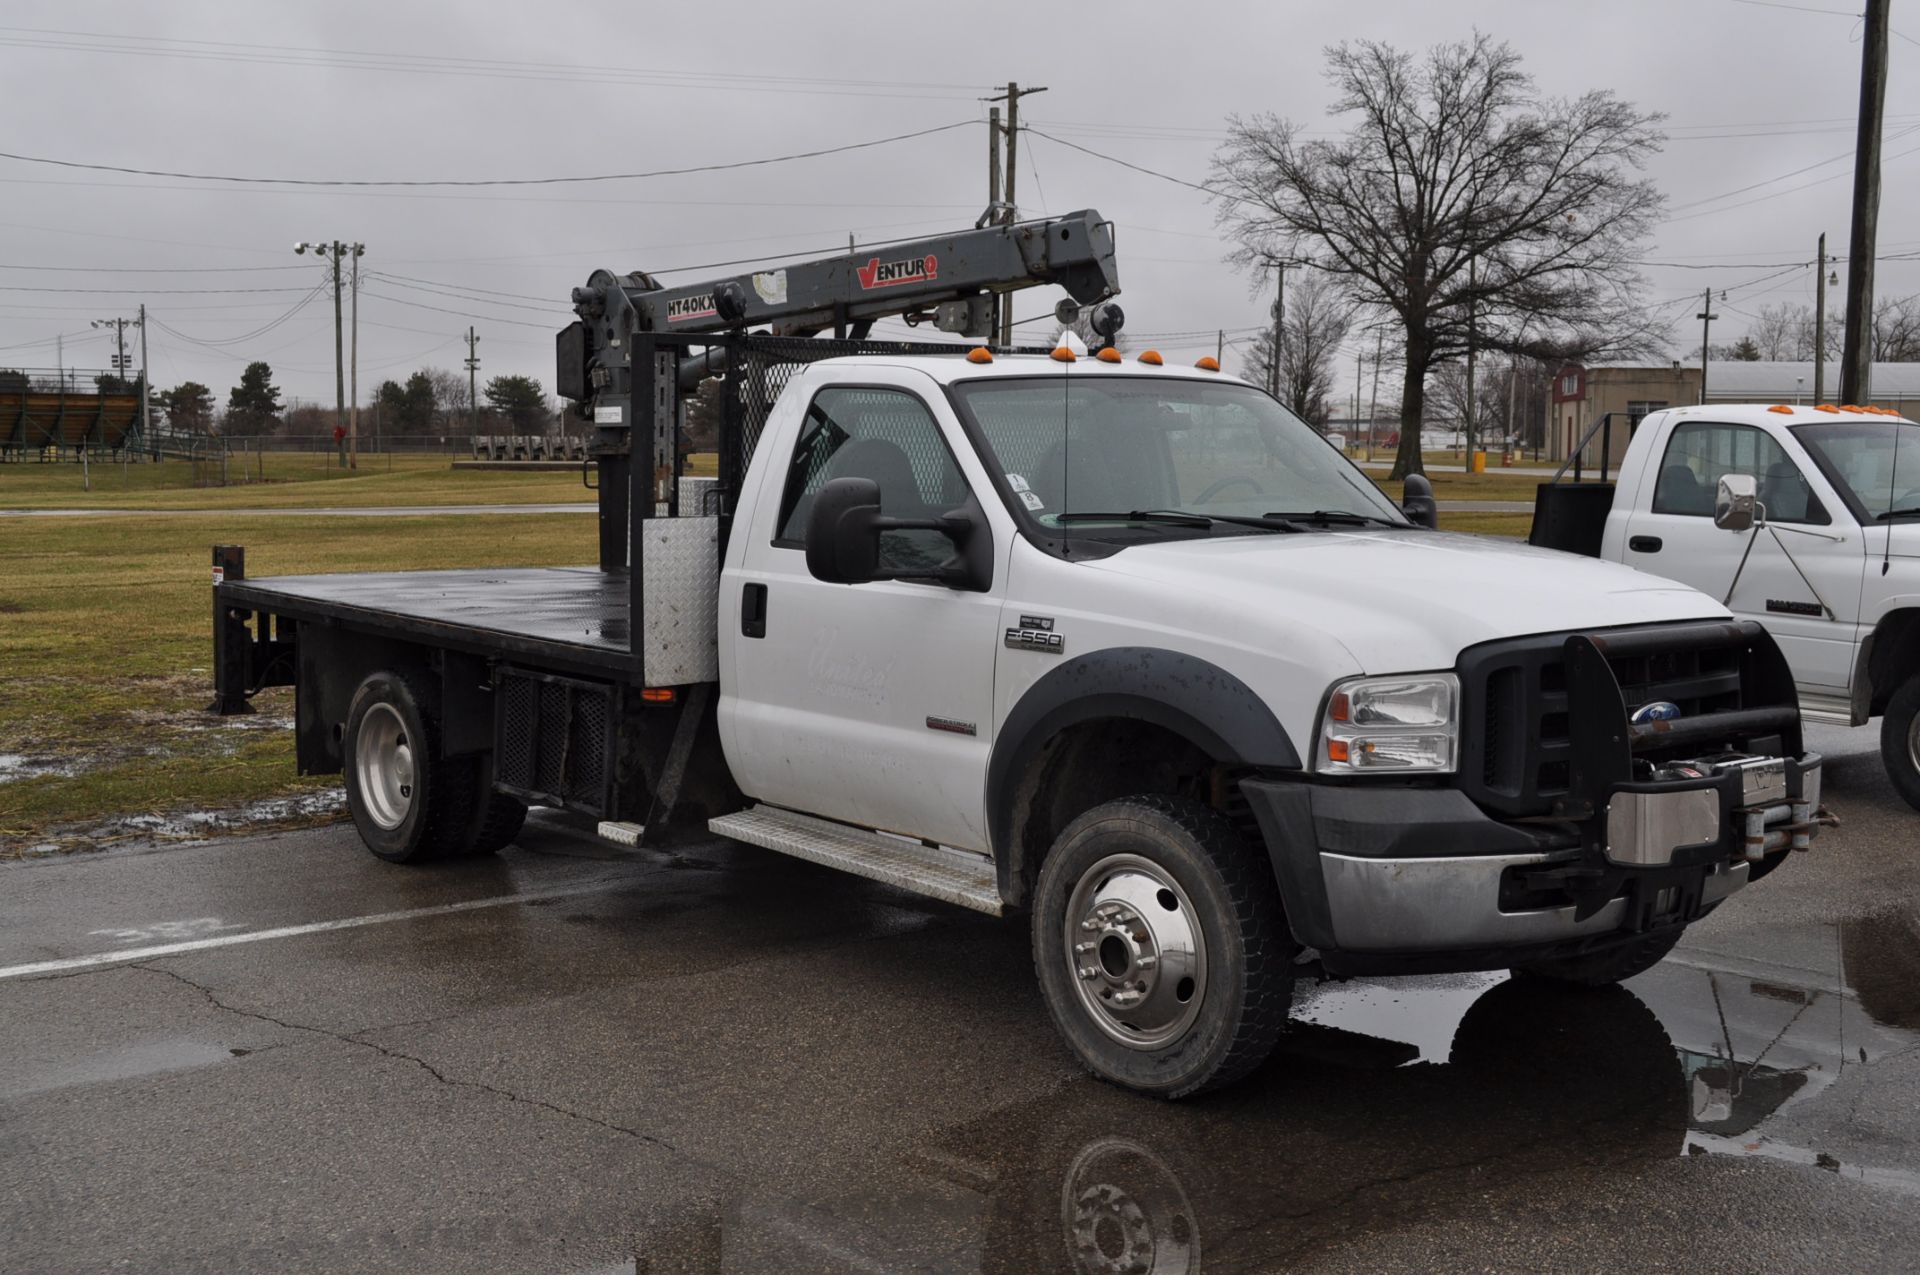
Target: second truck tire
(1900,741)
(409,803)
(1160,946)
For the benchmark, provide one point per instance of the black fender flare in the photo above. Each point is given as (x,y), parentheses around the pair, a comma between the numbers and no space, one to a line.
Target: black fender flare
(1195,699)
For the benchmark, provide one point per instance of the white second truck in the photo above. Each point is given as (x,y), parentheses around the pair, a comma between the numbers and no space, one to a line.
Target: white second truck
(1803,518)
(1122,647)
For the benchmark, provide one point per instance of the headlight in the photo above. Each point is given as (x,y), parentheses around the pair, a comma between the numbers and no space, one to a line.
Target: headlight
(1402,724)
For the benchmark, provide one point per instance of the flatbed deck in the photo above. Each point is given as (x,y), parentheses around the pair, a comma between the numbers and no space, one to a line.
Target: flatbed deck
(569,615)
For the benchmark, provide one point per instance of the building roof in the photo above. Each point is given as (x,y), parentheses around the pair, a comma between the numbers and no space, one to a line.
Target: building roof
(1733,380)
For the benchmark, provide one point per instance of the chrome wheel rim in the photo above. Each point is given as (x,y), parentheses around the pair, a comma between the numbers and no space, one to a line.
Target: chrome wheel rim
(1125,1213)
(384,765)
(1134,951)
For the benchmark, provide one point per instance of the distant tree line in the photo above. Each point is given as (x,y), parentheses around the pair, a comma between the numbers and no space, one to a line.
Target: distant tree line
(432,401)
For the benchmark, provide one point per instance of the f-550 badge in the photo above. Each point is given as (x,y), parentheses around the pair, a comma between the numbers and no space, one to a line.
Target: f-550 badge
(1035,633)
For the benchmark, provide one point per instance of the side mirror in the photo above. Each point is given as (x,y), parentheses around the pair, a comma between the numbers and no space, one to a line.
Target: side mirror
(1736,506)
(843,532)
(1417,502)
(843,539)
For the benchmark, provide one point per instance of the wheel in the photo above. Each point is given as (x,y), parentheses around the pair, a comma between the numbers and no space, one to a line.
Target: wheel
(1160,946)
(409,803)
(498,821)
(1608,966)
(1900,741)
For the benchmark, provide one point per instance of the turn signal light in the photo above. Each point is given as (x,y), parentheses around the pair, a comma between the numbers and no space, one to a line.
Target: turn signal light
(1062,354)
(1207,363)
(1337,750)
(979,354)
(1151,358)
(1341,708)
(1108,355)
(659,695)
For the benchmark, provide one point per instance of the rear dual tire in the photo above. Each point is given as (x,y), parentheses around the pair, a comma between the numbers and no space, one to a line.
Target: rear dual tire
(1160,946)
(1900,741)
(410,803)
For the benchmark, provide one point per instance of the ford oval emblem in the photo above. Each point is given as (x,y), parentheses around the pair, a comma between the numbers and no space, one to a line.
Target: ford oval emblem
(1661,710)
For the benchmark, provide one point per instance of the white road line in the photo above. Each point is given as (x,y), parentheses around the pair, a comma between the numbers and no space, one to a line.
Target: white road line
(130,955)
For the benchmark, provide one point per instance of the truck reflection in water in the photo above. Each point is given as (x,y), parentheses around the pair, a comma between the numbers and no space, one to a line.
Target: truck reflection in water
(1390,1105)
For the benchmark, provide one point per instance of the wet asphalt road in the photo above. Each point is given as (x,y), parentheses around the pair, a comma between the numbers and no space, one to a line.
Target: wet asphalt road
(292,1057)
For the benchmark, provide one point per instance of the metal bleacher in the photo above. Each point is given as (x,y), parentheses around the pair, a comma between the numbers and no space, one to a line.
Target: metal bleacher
(53,415)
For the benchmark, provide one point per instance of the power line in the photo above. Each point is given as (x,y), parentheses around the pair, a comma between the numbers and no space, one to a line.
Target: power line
(21,287)
(155,269)
(492,181)
(547,306)
(482,318)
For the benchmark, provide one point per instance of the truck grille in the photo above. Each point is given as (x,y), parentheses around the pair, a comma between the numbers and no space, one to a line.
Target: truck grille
(1726,679)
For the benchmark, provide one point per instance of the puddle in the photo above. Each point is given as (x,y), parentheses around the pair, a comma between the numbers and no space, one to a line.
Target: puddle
(149,1058)
(1389,1104)
(26,766)
(190,825)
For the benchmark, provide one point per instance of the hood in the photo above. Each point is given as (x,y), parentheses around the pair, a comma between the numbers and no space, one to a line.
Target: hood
(1403,601)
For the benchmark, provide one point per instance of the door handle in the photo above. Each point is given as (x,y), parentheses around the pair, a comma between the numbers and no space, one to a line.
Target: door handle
(1645,544)
(753,611)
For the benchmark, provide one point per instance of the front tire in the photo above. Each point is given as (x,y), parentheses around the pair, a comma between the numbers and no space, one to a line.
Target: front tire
(1900,741)
(1609,966)
(409,802)
(1160,946)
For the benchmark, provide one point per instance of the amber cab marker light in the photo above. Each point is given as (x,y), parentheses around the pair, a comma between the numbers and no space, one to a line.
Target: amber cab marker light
(979,354)
(1062,354)
(659,694)
(1782,408)
(1207,363)
(1108,355)
(1151,358)
(1826,407)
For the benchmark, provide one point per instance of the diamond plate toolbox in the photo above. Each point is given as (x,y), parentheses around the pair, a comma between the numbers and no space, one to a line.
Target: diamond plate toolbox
(679,635)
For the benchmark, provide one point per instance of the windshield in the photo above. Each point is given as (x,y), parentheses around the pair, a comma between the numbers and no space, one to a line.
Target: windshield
(1859,458)
(1093,444)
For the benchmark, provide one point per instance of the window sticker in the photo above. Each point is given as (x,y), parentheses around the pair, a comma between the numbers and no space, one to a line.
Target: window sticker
(1018,483)
(1032,501)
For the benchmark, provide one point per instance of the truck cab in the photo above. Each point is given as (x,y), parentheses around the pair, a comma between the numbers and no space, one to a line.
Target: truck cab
(1830,564)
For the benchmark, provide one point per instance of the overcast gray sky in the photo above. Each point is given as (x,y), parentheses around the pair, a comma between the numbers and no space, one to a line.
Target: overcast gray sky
(486,89)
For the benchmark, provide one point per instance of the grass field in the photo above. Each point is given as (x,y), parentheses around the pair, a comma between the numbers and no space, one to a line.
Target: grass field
(293,481)
(104,640)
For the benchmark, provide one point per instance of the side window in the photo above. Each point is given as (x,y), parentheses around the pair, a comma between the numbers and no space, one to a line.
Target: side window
(1700,453)
(890,437)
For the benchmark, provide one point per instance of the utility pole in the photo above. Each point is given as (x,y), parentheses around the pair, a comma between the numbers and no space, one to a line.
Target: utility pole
(1359,352)
(353,420)
(119,327)
(993,206)
(1012,213)
(1706,317)
(146,387)
(473,368)
(1472,316)
(1820,327)
(1279,330)
(1856,359)
(333,252)
(1373,408)
(1220,345)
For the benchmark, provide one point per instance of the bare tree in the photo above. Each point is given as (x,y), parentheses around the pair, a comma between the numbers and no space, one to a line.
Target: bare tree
(1896,329)
(1462,202)
(1778,331)
(1317,319)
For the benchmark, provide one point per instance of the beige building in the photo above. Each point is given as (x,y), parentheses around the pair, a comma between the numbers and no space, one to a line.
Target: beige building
(1582,396)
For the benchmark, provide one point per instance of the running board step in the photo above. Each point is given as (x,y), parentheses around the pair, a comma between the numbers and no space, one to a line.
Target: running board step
(953,875)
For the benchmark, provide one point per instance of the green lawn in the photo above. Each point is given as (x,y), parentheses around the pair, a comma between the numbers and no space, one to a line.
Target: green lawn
(293,480)
(104,642)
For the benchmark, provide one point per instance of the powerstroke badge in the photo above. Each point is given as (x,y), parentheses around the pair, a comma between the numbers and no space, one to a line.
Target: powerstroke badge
(694,307)
(1035,633)
(888,274)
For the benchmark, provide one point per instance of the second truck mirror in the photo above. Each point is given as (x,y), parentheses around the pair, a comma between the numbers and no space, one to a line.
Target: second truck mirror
(1417,502)
(1736,505)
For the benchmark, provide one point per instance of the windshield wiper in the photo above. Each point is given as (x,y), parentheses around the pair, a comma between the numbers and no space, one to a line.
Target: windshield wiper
(1343,516)
(1891,514)
(1179,518)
